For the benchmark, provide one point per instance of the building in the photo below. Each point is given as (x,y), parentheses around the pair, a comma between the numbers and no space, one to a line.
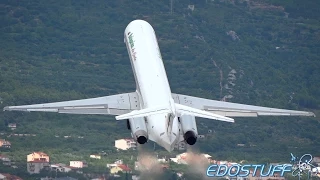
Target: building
(60,167)
(259,177)
(12,126)
(120,167)
(34,167)
(316,171)
(180,146)
(116,163)
(95,156)
(125,144)
(316,160)
(4,144)
(186,158)
(78,164)
(6,176)
(38,156)
(5,160)
(135,177)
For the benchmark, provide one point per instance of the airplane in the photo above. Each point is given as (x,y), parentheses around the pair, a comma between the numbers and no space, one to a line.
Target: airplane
(152,112)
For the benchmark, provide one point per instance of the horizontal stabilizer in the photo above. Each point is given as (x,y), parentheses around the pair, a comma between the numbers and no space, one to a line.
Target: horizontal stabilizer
(143,113)
(200,113)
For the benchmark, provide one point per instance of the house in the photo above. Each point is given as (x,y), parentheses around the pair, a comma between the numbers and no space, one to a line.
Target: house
(38,156)
(186,158)
(148,163)
(95,156)
(116,163)
(179,174)
(65,178)
(6,176)
(5,160)
(12,126)
(163,160)
(259,177)
(119,161)
(120,167)
(316,160)
(60,168)
(60,178)
(4,144)
(125,144)
(316,171)
(241,145)
(135,177)
(78,164)
(34,167)
(180,146)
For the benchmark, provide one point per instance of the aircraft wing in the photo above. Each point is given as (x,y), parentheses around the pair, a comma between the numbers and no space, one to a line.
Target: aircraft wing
(233,109)
(113,105)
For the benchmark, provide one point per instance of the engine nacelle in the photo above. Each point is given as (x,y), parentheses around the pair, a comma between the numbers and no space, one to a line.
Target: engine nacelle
(138,129)
(189,129)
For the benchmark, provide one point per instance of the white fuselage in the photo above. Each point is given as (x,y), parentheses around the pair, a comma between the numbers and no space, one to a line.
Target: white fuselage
(151,81)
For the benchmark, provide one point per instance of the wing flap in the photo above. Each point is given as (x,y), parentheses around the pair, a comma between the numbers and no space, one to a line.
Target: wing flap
(234,109)
(235,114)
(113,105)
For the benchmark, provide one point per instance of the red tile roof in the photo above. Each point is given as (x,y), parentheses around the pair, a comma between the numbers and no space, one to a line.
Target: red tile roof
(124,167)
(11,177)
(41,153)
(38,161)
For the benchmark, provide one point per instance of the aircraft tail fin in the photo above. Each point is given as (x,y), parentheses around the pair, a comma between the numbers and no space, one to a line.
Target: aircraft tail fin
(143,113)
(200,113)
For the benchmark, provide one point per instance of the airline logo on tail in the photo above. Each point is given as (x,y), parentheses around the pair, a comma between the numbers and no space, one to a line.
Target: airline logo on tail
(131,42)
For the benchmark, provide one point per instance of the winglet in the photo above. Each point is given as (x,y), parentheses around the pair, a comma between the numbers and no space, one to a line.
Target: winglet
(312,114)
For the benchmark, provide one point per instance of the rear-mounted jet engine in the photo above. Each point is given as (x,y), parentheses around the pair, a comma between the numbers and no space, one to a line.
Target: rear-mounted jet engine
(138,129)
(189,129)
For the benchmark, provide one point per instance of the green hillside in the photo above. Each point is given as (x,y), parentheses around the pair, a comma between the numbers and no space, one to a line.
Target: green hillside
(255,52)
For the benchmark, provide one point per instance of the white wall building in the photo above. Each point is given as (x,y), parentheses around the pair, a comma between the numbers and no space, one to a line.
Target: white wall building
(125,144)
(34,167)
(184,158)
(95,156)
(78,164)
(180,145)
